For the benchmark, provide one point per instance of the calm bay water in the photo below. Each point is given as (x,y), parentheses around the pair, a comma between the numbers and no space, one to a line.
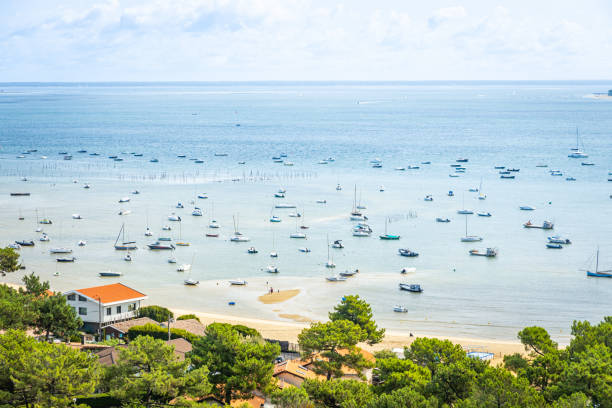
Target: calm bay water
(512,124)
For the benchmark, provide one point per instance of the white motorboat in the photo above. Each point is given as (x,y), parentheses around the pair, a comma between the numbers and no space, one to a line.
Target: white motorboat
(304,249)
(191,282)
(284,206)
(273,254)
(272,269)
(148,233)
(275,218)
(180,205)
(127,257)
(76,217)
(297,235)
(338,187)
(110,274)
(321,201)
(400,309)
(294,215)
(238,282)
(82,243)
(439,219)
(428,198)
(125,212)
(239,238)
(337,244)
(348,274)
(489,252)
(124,200)
(44,238)
(526,208)
(172,260)
(336,278)
(166,228)
(197,212)
(202,196)
(183,268)
(174,217)
(60,251)
(279,195)
(483,214)
(411,287)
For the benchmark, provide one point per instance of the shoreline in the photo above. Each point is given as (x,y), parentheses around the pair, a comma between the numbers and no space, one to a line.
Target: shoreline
(288,331)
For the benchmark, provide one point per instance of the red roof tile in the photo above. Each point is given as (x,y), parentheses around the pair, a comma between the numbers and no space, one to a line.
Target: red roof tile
(116,292)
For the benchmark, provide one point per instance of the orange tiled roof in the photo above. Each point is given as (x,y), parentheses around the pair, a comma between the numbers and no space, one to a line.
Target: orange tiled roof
(111,293)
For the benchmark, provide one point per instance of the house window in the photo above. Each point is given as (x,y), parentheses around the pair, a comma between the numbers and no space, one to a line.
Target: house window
(71,296)
(131,307)
(83,311)
(82,298)
(108,311)
(118,309)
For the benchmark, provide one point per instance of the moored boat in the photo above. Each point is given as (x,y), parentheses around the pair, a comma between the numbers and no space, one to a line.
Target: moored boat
(411,287)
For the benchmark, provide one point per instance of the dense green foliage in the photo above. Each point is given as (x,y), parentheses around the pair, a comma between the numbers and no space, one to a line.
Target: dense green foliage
(158,313)
(34,306)
(9,260)
(188,317)
(41,374)
(238,364)
(158,332)
(148,373)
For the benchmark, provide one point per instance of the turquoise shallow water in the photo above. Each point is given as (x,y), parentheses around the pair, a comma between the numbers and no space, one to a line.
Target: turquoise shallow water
(513,124)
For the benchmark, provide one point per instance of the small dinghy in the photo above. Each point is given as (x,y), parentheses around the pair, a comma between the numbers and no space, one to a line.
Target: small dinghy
(66,259)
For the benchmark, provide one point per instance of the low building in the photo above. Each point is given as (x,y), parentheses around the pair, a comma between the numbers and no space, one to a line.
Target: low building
(102,306)
(120,329)
(192,326)
(293,373)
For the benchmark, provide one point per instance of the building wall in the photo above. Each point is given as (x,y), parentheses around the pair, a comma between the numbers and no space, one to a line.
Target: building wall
(90,311)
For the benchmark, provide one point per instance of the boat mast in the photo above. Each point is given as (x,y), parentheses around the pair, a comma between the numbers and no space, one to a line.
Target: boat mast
(119,234)
(597,260)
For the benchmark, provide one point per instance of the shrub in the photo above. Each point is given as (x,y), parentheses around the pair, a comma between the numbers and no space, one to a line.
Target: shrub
(187,317)
(158,332)
(157,313)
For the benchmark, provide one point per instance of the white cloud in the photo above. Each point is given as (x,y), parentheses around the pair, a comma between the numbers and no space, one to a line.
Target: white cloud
(297,39)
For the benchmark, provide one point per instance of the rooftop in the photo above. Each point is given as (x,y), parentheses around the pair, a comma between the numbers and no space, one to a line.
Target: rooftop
(124,326)
(115,292)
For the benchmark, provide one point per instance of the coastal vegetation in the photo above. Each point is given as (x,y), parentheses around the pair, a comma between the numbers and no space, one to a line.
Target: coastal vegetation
(231,362)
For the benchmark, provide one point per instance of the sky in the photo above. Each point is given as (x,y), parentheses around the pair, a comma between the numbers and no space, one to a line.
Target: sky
(310,40)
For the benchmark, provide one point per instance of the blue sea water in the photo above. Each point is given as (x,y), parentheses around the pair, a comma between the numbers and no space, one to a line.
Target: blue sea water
(514,124)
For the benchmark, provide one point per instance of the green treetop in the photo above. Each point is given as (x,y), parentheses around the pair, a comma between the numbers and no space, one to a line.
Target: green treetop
(358,311)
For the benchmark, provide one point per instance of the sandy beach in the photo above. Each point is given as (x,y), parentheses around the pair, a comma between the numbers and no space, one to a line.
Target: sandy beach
(289,331)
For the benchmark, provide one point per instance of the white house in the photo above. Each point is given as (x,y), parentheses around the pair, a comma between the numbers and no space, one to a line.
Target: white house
(102,306)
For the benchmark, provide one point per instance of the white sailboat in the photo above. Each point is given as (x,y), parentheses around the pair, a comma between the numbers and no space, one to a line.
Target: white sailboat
(238,237)
(356,215)
(481,195)
(576,152)
(469,238)
(330,261)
